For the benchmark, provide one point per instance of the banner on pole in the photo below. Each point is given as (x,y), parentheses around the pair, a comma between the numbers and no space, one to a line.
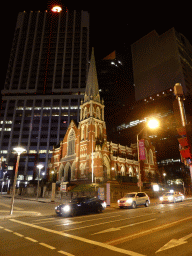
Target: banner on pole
(142,149)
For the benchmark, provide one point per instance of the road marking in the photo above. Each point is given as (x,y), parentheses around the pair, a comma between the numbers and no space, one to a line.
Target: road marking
(123,239)
(44,220)
(175,242)
(6,229)
(119,228)
(18,234)
(31,239)
(8,206)
(103,223)
(77,222)
(47,245)
(78,238)
(66,253)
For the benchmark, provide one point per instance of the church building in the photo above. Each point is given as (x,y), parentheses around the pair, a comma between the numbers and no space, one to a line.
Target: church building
(86,155)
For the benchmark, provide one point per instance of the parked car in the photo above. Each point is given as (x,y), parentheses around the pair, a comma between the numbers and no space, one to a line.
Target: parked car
(172,197)
(133,199)
(80,205)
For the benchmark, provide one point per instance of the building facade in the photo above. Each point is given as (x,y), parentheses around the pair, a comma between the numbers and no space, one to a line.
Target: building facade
(85,153)
(44,85)
(159,62)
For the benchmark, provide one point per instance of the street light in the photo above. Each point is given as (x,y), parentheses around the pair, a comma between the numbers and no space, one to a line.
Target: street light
(39,166)
(19,151)
(152,124)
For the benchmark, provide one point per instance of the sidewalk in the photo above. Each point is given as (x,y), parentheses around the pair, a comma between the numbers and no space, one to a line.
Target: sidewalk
(5,214)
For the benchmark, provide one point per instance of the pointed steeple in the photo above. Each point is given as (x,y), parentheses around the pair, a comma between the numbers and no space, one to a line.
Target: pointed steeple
(92,87)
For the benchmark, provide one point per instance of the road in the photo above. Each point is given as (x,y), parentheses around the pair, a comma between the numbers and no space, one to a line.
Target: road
(157,230)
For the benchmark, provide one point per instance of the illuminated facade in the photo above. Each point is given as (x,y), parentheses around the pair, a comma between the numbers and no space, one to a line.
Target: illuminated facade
(44,85)
(85,147)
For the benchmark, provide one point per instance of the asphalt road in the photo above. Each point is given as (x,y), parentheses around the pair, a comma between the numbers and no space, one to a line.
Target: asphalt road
(156,230)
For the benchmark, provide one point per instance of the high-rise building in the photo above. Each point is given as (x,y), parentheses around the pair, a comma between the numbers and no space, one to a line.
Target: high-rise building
(44,85)
(161,61)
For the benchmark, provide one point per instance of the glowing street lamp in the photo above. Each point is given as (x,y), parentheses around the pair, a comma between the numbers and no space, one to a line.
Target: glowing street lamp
(19,151)
(39,166)
(152,124)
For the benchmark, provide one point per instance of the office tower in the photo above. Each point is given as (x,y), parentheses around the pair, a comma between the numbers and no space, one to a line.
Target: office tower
(160,61)
(116,85)
(44,85)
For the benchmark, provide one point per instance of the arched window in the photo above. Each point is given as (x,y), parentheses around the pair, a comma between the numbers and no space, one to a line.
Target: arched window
(96,131)
(83,132)
(122,170)
(130,171)
(98,114)
(151,156)
(86,131)
(71,142)
(146,157)
(100,132)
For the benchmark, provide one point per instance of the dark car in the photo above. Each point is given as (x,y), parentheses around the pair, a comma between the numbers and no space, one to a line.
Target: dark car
(81,205)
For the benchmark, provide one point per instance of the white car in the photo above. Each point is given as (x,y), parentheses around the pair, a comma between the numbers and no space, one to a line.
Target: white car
(133,199)
(172,197)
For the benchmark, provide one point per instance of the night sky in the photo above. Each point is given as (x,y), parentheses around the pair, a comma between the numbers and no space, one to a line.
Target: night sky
(113,25)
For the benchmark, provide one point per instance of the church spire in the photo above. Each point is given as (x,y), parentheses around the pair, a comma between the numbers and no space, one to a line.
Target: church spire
(92,87)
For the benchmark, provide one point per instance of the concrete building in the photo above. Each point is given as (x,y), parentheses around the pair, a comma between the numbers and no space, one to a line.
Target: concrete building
(44,85)
(85,151)
(160,61)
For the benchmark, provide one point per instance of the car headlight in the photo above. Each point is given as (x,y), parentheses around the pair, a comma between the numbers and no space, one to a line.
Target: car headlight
(66,208)
(129,201)
(161,198)
(118,201)
(104,204)
(170,198)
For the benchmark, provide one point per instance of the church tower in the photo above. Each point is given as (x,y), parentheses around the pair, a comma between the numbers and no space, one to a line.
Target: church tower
(92,126)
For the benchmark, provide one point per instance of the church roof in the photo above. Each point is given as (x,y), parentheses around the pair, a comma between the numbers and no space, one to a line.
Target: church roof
(92,87)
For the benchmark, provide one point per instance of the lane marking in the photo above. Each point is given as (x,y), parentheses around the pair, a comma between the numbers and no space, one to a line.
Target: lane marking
(18,234)
(107,222)
(131,237)
(8,206)
(77,222)
(119,228)
(31,239)
(6,229)
(48,246)
(78,238)
(65,253)
(42,220)
(55,219)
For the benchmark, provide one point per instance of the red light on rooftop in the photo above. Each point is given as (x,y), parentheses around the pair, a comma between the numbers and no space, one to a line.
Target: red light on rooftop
(56,9)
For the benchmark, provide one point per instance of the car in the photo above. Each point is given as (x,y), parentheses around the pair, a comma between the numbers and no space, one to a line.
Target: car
(172,197)
(80,205)
(133,199)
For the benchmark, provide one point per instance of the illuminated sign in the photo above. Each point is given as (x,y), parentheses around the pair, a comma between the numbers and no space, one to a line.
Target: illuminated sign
(56,9)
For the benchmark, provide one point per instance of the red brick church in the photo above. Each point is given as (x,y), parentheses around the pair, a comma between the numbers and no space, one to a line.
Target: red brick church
(85,154)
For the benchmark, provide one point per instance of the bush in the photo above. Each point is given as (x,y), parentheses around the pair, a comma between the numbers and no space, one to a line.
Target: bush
(126,179)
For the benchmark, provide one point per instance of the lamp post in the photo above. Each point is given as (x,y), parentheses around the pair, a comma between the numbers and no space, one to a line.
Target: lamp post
(152,124)
(19,151)
(39,166)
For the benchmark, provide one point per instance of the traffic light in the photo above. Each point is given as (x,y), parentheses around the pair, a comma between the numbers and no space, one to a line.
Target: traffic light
(185,142)
(4,166)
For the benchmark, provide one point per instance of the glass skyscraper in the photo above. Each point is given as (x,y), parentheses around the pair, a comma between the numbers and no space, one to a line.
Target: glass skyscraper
(44,85)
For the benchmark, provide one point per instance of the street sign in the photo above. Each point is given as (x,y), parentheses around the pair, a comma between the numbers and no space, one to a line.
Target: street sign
(63,187)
